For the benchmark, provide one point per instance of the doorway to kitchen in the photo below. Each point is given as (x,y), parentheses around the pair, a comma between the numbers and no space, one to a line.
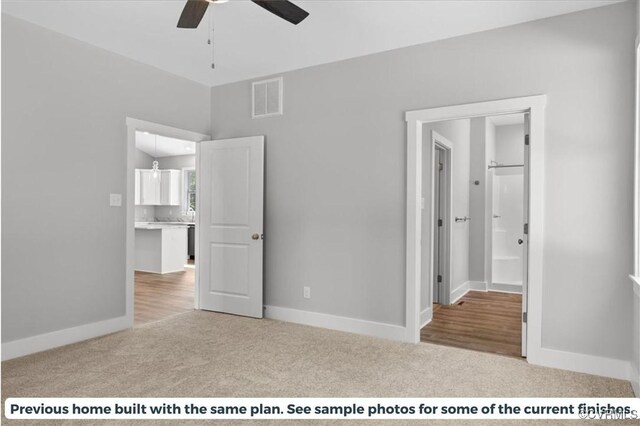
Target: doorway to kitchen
(162,257)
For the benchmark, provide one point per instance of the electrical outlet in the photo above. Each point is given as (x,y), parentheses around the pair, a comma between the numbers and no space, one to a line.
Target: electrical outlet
(307,292)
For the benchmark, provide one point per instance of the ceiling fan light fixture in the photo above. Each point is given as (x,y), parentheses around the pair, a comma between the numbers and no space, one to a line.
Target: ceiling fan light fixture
(154,165)
(195,10)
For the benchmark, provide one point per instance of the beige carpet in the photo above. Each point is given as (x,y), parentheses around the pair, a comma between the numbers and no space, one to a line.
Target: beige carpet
(204,354)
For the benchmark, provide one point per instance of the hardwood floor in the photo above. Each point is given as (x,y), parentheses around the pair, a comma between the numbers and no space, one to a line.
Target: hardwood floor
(482,321)
(158,296)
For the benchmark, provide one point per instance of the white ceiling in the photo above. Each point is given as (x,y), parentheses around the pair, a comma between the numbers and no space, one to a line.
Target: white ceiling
(250,42)
(166,147)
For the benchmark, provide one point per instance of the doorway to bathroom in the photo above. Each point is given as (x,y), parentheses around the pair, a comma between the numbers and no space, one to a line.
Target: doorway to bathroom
(473,273)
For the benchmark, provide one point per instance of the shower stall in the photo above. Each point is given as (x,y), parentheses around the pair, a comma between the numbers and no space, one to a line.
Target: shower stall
(507,227)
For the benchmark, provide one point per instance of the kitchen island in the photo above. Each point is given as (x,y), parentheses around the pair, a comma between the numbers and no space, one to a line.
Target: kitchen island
(160,247)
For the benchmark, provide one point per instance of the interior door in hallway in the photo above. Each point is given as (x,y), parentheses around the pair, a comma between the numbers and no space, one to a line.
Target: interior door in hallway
(230,232)
(439,213)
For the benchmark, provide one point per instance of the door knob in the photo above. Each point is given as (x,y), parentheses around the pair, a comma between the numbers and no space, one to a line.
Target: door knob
(520,241)
(255,237)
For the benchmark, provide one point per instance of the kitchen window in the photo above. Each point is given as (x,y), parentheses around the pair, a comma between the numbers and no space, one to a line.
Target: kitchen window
(189,191)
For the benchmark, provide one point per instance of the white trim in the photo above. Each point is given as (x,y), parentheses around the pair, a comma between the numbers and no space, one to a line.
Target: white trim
(636,284)
(415,119)
(459,291)
(478,286)
(426,316)
(636,177)
(581,363)
(334,322)
(134,125)
(506,288)
(466,287)
(163,272)
(54,339)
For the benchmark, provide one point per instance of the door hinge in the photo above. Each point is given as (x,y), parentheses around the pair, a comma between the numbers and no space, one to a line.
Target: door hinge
(524,317)
(526,140)
(526,229)
(441,167)
(439,278)
(439,222)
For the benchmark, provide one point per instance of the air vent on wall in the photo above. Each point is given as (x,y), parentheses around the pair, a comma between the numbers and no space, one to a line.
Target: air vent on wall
(267,98)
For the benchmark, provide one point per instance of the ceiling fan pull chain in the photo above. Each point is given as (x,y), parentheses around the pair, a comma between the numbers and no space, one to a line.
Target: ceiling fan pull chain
(210,41)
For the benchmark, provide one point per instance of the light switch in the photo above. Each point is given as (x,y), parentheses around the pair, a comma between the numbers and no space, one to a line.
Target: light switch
(115,200)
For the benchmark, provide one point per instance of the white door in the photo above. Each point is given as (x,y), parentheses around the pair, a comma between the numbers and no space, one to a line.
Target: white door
(230,210)
(525,234)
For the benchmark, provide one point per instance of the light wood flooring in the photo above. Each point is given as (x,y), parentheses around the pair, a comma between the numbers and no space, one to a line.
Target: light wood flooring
(482,321)
(158,296)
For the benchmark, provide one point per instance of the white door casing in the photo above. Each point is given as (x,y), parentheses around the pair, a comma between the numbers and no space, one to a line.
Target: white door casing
(525,233)
(535,106)
(230,234)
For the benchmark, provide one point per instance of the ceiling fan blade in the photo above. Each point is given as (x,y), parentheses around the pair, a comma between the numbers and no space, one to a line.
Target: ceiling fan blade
(193,13)
(284,9)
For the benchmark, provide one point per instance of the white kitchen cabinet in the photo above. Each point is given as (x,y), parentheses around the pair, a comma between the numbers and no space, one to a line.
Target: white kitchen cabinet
(170,188)
(149,188)
(160,249)
(164,189)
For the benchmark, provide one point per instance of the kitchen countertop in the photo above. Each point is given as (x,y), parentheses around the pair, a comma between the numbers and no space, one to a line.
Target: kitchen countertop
(161,225)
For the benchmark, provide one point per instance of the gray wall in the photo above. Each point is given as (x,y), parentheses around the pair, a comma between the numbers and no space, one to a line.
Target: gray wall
(458,133)
(64,105)
(143,160)
(477,197)
(336,169)
(177,162)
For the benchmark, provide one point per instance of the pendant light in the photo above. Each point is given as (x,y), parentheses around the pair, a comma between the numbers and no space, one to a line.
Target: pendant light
(154,166)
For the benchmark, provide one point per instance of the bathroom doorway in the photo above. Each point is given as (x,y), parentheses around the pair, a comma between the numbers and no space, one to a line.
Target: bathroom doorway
(476,285)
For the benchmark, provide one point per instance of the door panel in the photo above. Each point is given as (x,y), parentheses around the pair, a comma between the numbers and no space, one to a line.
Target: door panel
(231,165)
(230,208)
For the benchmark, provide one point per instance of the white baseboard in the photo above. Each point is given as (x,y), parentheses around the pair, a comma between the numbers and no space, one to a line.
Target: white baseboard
(426,316)
(459,291)
(506,288)
(581,363)
(333,322)
(477,285)
(43,342)
(465,287)
(635,382)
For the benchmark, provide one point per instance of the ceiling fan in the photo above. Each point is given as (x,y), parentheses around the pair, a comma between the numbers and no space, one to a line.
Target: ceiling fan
(194,11)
